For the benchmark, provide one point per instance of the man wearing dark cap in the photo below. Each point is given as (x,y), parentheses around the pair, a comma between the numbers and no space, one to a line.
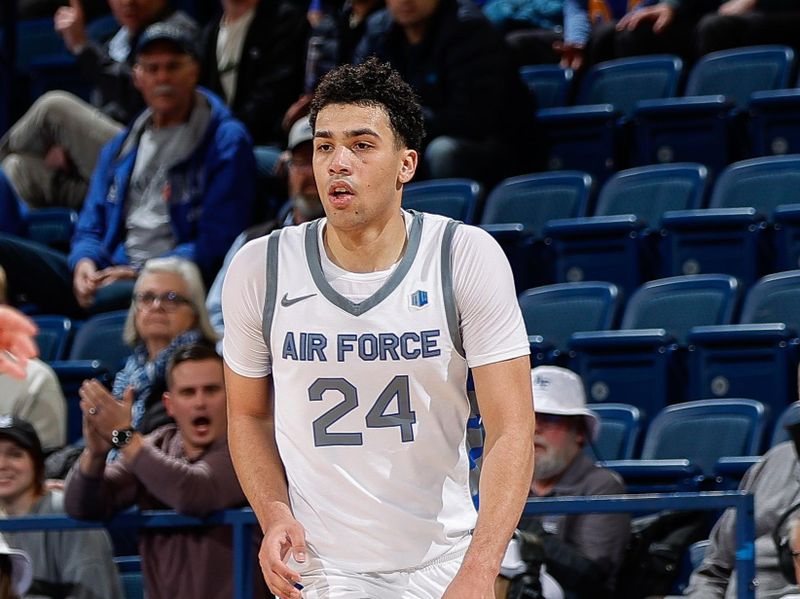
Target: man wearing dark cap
(77,564)
(179,181)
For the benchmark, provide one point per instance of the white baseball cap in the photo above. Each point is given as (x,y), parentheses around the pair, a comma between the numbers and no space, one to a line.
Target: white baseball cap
(560,392)
(300,133)
(21,568)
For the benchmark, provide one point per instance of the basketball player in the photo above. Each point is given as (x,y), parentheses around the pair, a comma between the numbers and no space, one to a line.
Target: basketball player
(347,345)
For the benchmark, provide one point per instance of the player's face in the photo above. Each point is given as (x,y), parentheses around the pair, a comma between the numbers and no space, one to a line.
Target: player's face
(359,166)
(555,444)
(196,400)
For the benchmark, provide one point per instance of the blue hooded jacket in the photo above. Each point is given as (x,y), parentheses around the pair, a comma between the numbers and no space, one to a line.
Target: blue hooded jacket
(211,196)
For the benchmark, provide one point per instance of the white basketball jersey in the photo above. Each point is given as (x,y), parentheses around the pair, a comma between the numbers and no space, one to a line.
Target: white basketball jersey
(370,402)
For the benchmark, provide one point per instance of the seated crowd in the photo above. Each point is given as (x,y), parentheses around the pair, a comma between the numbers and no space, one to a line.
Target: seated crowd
(196,141)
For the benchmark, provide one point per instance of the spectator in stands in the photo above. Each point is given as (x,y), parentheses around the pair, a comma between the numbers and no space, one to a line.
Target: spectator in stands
(582,552)
(185,466)
(48,156)
(76,564)
(542,31)
(691,29)
(37,398)
(794,546)
(478,115)
(167,312)
(17,342)
(775,483)
(304,201)
(16,571)
(179,181)
(253,58)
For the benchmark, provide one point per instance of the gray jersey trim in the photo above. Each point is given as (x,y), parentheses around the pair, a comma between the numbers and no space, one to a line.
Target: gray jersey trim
(313,257)
(448,295)
(272,286)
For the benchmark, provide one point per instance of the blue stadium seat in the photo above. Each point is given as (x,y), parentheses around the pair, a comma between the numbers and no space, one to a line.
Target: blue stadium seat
(552,313)
(52,227)
(620,428)
(53,336)
(592,135)
(703,126)
(455,198)
(744,200)
(620,242)
(684,442)
(730,470)
(643,363)
(100,338)
(531,201)
(549,83)
(774,123)
(758,357)
(626,81)
(71,374)
(130,572)
(582,138)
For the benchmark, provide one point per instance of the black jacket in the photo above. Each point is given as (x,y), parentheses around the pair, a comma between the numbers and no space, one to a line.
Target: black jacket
(271,70)
(462,71)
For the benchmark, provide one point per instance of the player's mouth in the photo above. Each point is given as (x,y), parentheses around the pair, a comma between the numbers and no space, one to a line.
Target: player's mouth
(340,194)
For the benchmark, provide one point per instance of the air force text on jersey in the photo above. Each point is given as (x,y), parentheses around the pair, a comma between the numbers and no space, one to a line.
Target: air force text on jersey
(384,347)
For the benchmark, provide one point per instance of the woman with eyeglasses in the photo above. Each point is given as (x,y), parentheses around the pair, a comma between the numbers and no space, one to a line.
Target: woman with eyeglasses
(168,310)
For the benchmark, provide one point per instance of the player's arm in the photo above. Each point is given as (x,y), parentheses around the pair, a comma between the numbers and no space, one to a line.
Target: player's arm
(251,437)
(503,390)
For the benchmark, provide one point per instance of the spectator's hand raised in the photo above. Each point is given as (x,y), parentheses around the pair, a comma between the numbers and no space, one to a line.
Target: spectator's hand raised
(732,8)
(283,535)
(102,409)
(17,345)
(660,15)
(70,23)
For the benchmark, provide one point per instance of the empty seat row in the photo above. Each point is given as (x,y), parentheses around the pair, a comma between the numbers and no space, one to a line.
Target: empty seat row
(678,338)
(627,112)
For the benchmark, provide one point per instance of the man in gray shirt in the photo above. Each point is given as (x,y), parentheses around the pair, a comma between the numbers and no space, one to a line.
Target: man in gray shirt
(583,552)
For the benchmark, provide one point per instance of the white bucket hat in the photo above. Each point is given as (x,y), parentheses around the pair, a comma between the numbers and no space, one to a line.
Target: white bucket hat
(21,568)
(560,392)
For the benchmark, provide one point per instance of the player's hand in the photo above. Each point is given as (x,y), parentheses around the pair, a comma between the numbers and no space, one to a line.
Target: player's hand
(70,23)
(284,535)
(733,8)
(83,282)
(17,345)
(466,587)
(660,15)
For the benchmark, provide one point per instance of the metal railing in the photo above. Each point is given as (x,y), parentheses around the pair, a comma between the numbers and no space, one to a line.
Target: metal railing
(707,501)
(243,520)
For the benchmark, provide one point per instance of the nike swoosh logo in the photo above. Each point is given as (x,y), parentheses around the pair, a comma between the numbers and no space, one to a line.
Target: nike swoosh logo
(286,302)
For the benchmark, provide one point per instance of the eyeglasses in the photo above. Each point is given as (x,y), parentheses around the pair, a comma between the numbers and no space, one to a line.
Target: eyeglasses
(170,300)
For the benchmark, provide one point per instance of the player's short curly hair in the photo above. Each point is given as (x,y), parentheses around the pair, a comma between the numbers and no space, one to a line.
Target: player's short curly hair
(373,83)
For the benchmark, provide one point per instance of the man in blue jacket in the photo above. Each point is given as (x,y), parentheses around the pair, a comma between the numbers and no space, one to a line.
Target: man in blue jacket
(179,181)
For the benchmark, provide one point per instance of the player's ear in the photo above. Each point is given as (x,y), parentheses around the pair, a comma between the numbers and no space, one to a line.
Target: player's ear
(409,165)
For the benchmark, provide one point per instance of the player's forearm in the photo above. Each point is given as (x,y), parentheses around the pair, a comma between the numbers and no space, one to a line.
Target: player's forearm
(258,465)
(505,480)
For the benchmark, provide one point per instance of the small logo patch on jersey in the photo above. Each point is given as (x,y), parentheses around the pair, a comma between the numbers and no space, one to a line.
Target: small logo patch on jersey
(286,302)
(419,298)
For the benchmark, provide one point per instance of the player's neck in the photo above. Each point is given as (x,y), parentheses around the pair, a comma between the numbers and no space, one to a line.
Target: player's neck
(367,249)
